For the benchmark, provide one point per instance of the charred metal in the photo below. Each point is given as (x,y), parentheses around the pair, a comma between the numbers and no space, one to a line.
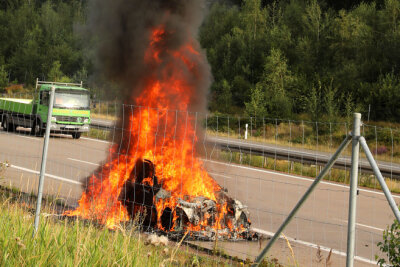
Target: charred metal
(204,218)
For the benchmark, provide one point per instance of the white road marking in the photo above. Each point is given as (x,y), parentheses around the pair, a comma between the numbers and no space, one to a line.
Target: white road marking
(31,138)
(96,140)
(297,177)
(366,226)
(82,161)
(48,175)
(311,245)
(371,227)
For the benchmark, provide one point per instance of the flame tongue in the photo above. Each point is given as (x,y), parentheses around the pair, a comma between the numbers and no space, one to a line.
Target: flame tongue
(165,137)
(153,172)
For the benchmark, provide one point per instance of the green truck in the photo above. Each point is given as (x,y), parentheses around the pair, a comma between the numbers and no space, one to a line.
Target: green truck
(71,110)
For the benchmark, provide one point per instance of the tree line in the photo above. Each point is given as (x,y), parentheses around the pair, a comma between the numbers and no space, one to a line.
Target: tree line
(284,58)
(40,39)
(319,59)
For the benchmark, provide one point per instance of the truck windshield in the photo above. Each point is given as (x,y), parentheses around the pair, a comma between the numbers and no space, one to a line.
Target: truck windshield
(73,99)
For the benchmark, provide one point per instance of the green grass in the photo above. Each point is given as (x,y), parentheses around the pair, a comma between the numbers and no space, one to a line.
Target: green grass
(97,134)
(103,116)
(64,241)
(106,110)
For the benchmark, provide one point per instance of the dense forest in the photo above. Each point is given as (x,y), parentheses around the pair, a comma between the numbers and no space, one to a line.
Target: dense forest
(320,59)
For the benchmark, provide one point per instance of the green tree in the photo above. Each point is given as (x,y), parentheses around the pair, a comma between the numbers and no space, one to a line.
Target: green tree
(349,107)
(3,77)
(277,80)
(313,104)
(225,98)
(331,103)
(384,97)
(256,106)
(56,75)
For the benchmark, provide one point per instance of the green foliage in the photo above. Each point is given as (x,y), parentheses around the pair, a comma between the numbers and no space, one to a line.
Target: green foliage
(391,245)
(384,96)
(340,55)
(256,106)
(3,77)
(39,33)
(289,47)
(225,97)
(276,82)
(56,75)
(313,104)
(349,108)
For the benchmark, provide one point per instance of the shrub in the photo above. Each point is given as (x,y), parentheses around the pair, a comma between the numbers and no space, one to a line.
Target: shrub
(391,245)
(381,150)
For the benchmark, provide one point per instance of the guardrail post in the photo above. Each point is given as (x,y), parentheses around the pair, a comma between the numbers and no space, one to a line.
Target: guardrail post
(44,159)
(351,229)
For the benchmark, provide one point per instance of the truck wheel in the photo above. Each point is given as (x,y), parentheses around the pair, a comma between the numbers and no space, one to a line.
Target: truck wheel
(8,126)
(36,129)
(76,135)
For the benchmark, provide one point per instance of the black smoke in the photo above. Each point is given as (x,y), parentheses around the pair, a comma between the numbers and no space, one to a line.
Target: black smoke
(121,31)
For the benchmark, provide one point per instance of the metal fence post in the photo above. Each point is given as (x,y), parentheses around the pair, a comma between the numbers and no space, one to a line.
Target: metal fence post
(380,178)
(351,230)
(322,174)
(44,159)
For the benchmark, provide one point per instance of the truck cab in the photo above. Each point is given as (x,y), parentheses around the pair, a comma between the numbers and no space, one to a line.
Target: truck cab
(71,110)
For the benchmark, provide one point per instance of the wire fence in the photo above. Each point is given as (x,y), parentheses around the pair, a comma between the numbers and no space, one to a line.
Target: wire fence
(261,168)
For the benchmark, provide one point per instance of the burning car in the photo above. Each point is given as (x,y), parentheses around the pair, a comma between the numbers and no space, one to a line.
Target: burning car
(207,219)
(152,171)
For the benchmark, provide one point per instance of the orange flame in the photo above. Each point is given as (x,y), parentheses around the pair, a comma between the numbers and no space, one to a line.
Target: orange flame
(171,150)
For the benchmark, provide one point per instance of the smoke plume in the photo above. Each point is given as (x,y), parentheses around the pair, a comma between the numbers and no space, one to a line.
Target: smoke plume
(122,30)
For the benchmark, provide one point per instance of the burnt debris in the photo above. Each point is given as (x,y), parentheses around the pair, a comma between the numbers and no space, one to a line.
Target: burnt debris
(206,219)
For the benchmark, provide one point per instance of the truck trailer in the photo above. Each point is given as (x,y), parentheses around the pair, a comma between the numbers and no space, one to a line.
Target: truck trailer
(71,110)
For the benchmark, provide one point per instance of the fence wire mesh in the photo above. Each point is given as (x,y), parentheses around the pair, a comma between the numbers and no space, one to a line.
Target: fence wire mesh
(264,163)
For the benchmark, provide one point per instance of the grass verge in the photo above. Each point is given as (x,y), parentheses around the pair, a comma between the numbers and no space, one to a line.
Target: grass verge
(98,134)
(64,241)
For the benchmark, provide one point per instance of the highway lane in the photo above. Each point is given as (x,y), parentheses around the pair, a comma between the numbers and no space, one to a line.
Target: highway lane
(322,220)
(276,151)
(24,152)
(269,195)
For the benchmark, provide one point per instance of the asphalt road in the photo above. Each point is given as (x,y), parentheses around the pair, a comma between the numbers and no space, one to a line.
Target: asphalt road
(269,195)
(296,154)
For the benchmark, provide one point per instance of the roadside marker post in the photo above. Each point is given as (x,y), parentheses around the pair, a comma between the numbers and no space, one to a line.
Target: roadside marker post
(44,160)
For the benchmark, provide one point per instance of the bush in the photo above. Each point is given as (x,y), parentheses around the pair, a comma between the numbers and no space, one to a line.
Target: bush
(381,150)
(391,245)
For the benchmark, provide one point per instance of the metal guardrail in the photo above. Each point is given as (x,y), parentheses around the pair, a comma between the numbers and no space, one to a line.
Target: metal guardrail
(311,157)
(102,124)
